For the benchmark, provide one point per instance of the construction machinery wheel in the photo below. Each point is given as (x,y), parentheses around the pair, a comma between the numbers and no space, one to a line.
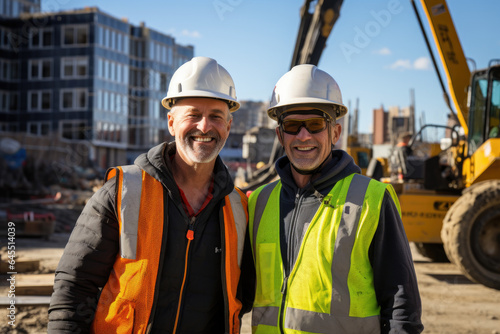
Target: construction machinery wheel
(435,252)
(471,233)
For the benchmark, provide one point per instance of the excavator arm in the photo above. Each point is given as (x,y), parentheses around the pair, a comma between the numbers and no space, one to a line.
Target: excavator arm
(451,54)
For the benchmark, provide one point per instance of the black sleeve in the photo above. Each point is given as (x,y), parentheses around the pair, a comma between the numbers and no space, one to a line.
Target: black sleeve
(394,274)
(85,265)
(247,283)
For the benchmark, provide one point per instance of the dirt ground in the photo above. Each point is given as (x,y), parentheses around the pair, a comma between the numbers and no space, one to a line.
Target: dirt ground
(451,303)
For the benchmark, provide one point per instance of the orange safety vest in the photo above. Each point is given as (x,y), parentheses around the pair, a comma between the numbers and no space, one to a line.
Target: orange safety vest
(127,299)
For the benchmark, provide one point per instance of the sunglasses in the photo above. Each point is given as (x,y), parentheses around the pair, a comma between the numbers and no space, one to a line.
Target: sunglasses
(313,125)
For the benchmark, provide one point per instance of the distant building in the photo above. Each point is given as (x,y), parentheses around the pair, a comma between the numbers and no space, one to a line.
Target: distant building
(14,8)
(86,76)
(251,114)
(250,118)
(388,124)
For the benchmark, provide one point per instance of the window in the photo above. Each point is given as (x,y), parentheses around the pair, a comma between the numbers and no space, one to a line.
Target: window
(4,36)
(119,42)
(9,70)
(125,43)
(152,50)
(106,101)
(99,35)
(494,119)
(75,99)
(76,67)
(74,130)
(112,67)
(75,35)
(41,38)
(98,100)
(9,101)
(8,127)
(106,71)
(40,69)
(163,82)
(106,41)
(38,128)
(39,100)
(113,40)
(119,69)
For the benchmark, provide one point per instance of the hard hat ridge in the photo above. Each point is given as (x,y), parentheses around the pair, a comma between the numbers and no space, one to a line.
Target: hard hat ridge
(201,77)
(306,84)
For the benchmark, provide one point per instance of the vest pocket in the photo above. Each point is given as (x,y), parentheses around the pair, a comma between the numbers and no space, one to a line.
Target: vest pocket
(265,273)
(117,303)
(122,313)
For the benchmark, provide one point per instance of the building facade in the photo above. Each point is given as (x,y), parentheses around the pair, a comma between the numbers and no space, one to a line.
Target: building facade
(14,8)
(86,77)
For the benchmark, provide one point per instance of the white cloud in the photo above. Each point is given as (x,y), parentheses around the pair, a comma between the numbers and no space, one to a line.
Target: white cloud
(192,34)
(422,63)
(401,64)
(383,52)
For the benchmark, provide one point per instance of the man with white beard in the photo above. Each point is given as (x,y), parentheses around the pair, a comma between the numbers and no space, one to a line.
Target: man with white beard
(162,246)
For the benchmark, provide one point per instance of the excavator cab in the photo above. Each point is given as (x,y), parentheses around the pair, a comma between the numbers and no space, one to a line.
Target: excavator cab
(483,144)
(484,112)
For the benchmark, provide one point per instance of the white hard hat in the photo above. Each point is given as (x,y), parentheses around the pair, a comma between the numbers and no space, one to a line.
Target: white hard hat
(201,77)
(306,84)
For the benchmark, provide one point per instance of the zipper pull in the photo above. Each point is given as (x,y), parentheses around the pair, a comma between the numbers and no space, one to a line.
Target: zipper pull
(190,232)
(283,287)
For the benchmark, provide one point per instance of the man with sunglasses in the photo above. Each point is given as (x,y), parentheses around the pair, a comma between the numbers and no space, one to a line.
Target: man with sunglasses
(329,246)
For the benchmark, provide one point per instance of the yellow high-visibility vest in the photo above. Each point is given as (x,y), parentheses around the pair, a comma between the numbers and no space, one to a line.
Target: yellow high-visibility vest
(330,288)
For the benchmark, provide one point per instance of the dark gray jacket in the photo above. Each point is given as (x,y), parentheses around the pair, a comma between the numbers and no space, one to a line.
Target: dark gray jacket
(92,248)
(394,275)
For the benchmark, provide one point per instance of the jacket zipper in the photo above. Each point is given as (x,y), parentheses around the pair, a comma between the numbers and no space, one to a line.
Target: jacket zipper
(223,275)
(190,237)
(289,265)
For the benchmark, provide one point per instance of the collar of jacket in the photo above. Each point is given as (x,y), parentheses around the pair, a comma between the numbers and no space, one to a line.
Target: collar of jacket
(340,166)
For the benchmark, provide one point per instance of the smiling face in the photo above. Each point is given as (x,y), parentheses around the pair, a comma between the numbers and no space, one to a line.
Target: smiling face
(307,151)
(200,127)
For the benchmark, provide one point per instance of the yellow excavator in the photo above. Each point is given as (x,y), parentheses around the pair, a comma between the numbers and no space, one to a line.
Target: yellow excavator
(450,201)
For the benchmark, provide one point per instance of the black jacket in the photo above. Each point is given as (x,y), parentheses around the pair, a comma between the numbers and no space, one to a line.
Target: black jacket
(394,275)
(91,250)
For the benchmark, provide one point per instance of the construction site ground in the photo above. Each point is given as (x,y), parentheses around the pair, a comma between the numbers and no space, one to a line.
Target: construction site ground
(451,303)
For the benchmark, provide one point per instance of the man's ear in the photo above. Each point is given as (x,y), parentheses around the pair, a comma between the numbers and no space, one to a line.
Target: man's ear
(336,131)
(170,118)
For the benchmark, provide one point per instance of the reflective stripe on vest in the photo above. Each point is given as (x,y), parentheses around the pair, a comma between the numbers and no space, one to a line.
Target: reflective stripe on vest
(127,298)
(129,211)
(330,287)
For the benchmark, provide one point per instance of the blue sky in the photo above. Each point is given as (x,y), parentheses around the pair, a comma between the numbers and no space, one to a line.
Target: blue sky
(254,40)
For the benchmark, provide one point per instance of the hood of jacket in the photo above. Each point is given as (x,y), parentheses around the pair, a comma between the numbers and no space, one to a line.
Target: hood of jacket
(156,163)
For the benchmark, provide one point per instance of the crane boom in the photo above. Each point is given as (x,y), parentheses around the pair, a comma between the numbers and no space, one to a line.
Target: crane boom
(314,30)
(451,54)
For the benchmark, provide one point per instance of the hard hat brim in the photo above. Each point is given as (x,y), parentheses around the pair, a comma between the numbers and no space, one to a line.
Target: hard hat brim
(277,110)
(168,102)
